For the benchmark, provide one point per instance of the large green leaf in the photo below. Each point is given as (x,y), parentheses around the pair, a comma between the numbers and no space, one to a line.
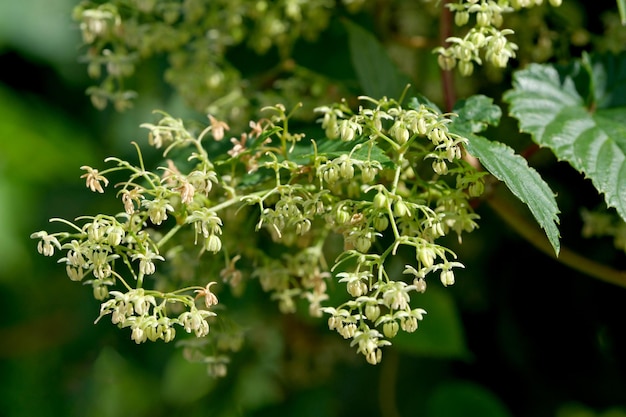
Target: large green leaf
(377,73)
(621,6)
(579,112)
(474,115)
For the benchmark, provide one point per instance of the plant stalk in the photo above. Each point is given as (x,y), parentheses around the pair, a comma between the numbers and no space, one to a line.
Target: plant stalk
(534,235)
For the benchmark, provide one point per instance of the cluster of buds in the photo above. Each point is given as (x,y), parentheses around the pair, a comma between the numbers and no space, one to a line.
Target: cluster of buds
(196,36)
(485,39)
(380,181)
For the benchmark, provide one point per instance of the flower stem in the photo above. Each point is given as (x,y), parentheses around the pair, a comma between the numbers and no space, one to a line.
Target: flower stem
(447,77)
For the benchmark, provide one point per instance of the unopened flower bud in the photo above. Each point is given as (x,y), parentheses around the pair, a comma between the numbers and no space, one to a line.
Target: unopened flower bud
(400,132)
(368,173)
(446,63)
(409,324)
(213,243)
(440,167)
(346,169)
(476,188)
(342,216)
(483,18)
(380,201)
(331,174)
(363,244)
(390,329)
(426,256)
(381,223)
(372,312)
(461,17)
(466,68)
(401,209)
(346,131)
(447,277)
(420,284)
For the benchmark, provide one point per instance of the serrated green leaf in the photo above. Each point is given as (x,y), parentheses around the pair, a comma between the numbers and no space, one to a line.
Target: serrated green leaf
(474,115)
(335,148)
(523,181)
(377,73)
(419,99)
(589,132)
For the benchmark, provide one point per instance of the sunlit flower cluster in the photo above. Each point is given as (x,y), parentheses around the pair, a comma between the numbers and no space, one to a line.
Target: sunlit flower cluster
(386,177)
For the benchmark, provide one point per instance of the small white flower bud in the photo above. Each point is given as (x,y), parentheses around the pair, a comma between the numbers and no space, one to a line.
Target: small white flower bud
(476,188)
(446,63)
(342,216)
(75,274)
(331,174)
(357,288)
(447,277)
(420,284)
(368,173)
(346,169)
(466,68)
(303,226)
(346,131)
(483,18)
(409,324)
(400,132)
(363,243)
(100,292)
(138,335)
(380,201)
(461,17)
(426,256)
(440,167)
(213,243)
(401,209)
(381,223)
(390,329)
(348,330)
(372,312)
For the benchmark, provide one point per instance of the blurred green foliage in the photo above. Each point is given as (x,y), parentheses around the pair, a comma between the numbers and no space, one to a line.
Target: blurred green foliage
(518,335)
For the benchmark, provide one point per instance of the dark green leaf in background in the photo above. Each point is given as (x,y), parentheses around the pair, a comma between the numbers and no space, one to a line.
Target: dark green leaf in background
(465,399)
(440,334)
(377,73)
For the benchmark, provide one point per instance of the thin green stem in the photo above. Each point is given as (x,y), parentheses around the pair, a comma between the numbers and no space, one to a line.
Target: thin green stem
(387,385)
(168,235)
(396,178)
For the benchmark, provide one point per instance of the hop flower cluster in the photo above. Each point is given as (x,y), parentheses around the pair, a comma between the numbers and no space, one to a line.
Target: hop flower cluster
(485,39)
(384,177)
(196,35)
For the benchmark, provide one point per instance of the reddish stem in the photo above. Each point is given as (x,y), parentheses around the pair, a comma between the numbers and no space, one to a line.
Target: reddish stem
(447,79)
